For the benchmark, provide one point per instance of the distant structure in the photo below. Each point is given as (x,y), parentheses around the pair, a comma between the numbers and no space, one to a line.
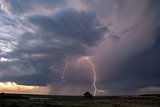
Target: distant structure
(87,94)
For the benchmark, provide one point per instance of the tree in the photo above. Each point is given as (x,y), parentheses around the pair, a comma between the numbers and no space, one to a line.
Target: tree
(87,94)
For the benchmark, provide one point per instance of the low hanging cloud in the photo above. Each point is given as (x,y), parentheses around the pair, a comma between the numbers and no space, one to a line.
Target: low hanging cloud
(149,90)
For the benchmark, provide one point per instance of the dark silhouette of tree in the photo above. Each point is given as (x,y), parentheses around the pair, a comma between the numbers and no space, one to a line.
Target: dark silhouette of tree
(87,94)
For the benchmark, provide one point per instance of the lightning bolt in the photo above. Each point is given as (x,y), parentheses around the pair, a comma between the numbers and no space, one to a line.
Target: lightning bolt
(94,74)
(63,74)
(64,71)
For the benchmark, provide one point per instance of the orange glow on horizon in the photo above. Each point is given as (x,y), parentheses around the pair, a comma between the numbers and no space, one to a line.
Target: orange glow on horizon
(12,87)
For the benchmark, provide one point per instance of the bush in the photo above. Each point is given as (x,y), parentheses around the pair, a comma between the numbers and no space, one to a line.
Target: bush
(87,95)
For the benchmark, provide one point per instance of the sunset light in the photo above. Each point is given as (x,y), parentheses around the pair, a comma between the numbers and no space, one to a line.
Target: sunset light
(12,87)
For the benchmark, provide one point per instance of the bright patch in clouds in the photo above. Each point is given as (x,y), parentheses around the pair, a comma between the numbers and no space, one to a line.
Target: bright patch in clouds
(2,59)
(12,87)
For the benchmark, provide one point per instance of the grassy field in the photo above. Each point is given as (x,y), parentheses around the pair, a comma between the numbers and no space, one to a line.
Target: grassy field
(77,101)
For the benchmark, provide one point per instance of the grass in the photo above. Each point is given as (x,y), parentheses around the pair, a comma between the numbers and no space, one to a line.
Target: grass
(77,101)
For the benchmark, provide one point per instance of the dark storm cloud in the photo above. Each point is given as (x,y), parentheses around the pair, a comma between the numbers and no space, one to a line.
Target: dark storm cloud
(37,79)
(131,63)
(139,71)
(81,26)
(144,67)
(68,33)
(52,32)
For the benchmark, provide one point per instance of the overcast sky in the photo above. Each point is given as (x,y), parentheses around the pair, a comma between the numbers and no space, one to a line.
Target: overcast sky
(39,39)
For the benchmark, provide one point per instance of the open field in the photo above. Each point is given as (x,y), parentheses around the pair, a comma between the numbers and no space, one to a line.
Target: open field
(13,100)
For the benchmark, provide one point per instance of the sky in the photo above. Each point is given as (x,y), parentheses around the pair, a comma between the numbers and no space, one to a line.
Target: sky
(68,47)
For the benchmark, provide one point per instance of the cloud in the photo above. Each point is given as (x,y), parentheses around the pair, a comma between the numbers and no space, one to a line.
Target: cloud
(11,87)
(27,7)
(37,51)
(149,90)
(127,60)
(81,26)
(122,37)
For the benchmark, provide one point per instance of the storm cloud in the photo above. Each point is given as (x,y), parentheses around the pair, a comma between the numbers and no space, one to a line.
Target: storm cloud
(24,8)
(38,38)
(53,40)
